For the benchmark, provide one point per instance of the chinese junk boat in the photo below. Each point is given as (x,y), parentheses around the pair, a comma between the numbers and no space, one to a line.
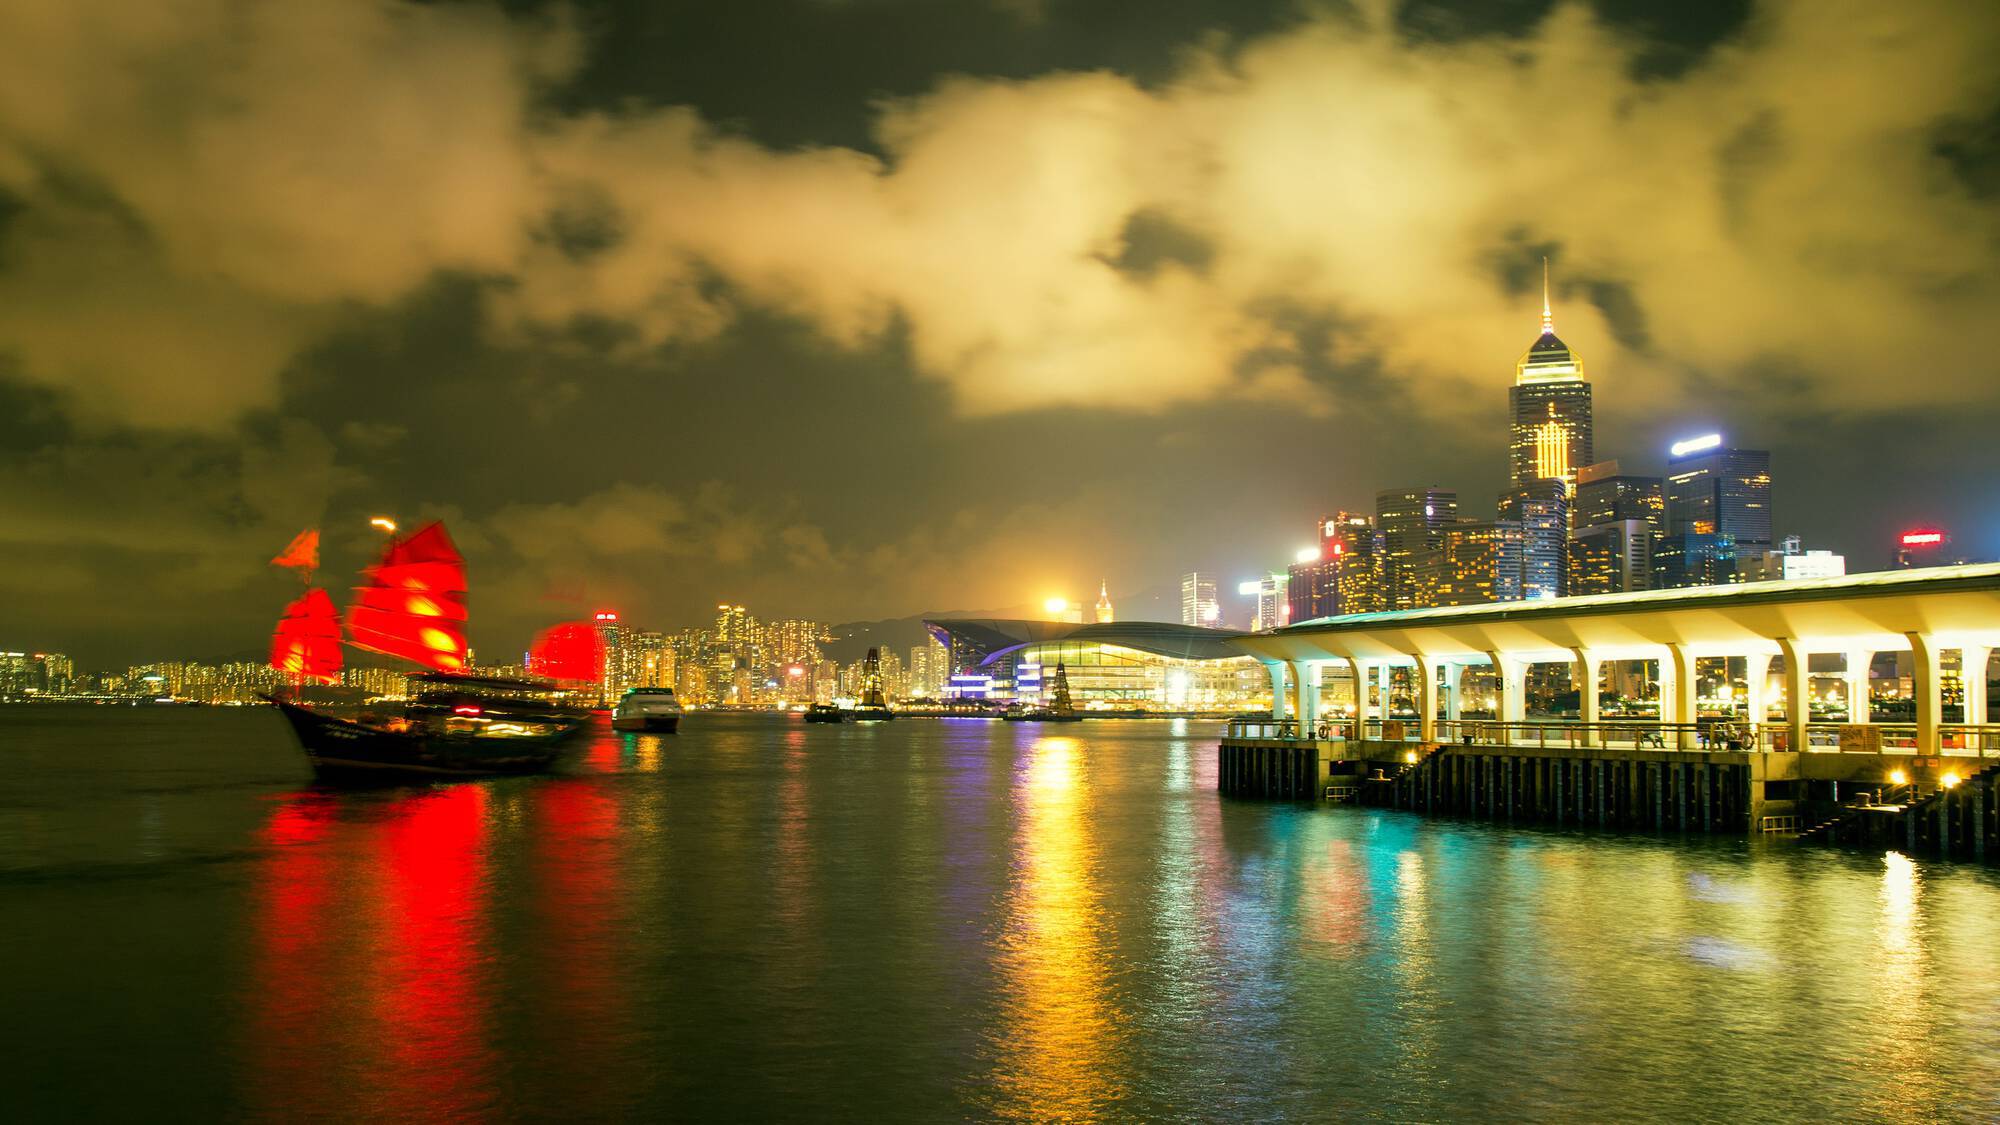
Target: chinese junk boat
(1059,710)
(412,608)
(874,706)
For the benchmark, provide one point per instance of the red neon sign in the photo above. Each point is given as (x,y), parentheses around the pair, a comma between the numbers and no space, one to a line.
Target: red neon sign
(1922,538)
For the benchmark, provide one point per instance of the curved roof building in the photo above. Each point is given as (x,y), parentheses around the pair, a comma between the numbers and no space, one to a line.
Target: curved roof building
(993,638)
(1110,664)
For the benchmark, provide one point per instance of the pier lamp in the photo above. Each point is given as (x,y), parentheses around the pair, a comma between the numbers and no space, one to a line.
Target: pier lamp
(1898,777)
(1949,781)
(1410,756)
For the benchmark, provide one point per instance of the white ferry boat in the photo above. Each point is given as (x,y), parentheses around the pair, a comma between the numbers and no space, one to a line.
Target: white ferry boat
(651,709)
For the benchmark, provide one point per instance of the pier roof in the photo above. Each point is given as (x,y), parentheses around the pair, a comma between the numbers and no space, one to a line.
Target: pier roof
(1955,605)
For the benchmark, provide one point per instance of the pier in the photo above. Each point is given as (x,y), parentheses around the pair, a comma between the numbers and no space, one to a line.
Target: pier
(1915,786)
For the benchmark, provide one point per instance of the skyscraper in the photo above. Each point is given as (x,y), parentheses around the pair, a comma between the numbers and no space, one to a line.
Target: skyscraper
(1475,562)
(1693,558)
(1541,509)
(1198,604)
(1550,407)
(1273,605)
(1714,490)
(1410,521)
(1611,557)
(1105,614)
(1605,495)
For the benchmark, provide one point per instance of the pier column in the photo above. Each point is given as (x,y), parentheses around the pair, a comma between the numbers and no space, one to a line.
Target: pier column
(1511,676)
(1798,693)
(1925,664)
(1427,717)
(1382,691)
(1756,688)
(1856,677)
(1364,678)
(1356,671)
(1972,672)
(1454,676)
(1305,681)
(1277,672)
(1677,691)
(1584,668)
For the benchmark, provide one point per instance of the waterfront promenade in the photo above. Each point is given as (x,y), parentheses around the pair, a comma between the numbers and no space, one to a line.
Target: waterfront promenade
(1770,768)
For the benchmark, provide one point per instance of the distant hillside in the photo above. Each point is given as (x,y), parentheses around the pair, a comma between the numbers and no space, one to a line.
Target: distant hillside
(901,634)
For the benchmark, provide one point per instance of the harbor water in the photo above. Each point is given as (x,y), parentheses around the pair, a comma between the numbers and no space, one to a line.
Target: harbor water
(932,919)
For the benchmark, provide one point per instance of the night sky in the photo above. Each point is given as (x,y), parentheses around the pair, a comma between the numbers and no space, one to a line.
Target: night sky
(865,308)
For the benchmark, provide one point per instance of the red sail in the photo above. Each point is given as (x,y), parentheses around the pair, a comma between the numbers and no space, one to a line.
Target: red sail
(306,644)
(572,651)
(414,604)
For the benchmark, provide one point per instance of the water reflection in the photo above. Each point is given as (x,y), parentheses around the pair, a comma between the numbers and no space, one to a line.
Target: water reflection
(371,965)
(1058,1030)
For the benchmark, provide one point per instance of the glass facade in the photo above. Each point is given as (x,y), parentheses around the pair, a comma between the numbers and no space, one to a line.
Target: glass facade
(1116,677)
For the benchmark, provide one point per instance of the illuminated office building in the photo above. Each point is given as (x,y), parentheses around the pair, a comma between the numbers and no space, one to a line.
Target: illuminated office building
(1411,521)
(1345,573)
(1540,508)
(1475,562)
(1693,558)
(1550,408)
(1715,490)
(1198,604)
(1604,495)
(1105,614)
(1273,606)
(1611,557)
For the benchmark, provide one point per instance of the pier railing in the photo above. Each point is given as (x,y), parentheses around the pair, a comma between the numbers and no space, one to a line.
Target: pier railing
(1955,739)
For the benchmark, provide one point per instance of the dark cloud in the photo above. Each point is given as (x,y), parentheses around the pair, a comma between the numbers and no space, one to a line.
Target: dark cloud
(854,310)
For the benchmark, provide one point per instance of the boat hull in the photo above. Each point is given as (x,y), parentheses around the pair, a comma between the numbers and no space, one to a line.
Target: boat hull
(344,750)
(646,724)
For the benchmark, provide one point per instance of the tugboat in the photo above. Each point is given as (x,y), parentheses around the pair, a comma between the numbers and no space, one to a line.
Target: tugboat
(874,707)
(412,608)
(652,709)
(825,713)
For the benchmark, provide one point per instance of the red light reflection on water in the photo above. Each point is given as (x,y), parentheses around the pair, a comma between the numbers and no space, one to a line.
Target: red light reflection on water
(292,987)
(427,990)
(366,989)
(578,901)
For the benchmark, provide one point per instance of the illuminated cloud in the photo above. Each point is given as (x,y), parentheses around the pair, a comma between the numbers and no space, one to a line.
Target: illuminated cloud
(204,187)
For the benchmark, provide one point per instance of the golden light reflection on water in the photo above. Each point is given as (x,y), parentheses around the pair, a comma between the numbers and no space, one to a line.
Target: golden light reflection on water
(1900,1028)
(1415,969)
(1059,1028)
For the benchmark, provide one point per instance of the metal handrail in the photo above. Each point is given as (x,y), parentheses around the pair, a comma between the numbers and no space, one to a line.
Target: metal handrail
(1979,740)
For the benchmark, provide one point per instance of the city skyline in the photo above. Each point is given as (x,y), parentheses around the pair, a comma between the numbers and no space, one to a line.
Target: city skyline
(914,336)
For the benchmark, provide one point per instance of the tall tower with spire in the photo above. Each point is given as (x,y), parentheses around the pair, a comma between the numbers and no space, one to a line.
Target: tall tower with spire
(1104,615)
(1550,408)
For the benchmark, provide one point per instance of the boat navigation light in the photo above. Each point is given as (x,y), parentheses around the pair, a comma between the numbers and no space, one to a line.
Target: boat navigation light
(383,523)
